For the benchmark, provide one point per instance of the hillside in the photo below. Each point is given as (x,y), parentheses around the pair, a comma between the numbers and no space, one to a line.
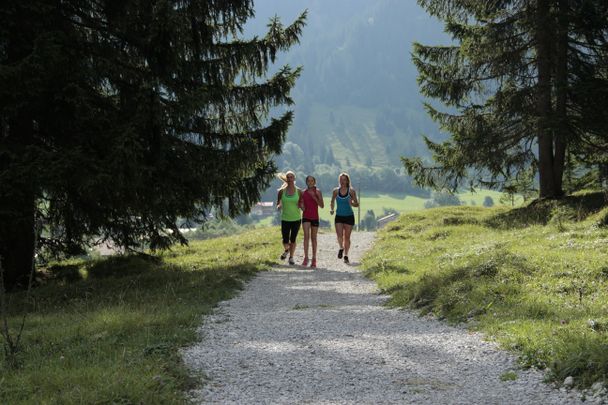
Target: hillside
(357,101)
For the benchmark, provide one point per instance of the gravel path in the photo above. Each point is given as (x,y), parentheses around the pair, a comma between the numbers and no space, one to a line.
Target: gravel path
(297,335)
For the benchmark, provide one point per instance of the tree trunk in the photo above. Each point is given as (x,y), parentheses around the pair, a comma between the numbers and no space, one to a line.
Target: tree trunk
(561,96)
(543,100)
(17,207)
(17,247)
(17,189)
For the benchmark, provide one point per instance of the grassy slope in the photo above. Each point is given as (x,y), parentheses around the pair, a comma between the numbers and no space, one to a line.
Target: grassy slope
(532,277)
(355,141)
(113,336)
(354,138)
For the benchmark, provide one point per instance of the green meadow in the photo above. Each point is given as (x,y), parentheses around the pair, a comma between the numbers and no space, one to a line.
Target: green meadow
(401,203)
(535,277)
(379,202)
(108,331)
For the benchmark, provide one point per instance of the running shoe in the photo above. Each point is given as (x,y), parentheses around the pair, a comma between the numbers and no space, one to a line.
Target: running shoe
(340,252)
(305,262)
(346,259)
(291,261)
(284,255)
(313,265)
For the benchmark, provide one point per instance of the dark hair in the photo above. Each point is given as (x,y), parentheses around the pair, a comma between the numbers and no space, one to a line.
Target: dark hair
(310,177)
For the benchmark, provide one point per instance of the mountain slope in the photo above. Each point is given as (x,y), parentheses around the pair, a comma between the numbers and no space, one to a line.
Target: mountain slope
(358,93)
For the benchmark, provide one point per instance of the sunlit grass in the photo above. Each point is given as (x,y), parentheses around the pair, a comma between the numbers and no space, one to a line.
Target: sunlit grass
(535,278)
(109,331)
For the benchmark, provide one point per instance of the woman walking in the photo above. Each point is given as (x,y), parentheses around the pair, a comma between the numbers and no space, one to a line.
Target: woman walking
(287,201)
(310,202)
(346,198)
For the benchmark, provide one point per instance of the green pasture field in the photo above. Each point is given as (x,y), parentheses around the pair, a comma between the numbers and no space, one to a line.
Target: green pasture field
(379,202)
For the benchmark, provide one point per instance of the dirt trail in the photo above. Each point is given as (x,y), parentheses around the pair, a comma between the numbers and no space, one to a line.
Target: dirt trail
(298,335)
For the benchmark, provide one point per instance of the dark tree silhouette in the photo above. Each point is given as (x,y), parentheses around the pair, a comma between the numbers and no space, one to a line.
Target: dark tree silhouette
(518,82)
(118,117)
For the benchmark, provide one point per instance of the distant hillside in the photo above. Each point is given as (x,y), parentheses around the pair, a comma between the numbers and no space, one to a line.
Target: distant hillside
(357,100)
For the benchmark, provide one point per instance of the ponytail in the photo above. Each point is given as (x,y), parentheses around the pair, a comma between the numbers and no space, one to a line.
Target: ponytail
(283,177)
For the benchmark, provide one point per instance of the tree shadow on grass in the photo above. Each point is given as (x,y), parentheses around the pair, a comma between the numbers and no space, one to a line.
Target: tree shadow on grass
(461,292)
(111,266)
(124,314)
(129,280)
(539,212)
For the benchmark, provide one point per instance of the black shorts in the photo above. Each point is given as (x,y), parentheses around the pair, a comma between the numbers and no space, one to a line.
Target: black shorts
(348,220)
(289,231)
(313,222)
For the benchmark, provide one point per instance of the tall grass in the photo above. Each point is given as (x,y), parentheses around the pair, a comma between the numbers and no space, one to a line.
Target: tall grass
(535,277)
(108,331)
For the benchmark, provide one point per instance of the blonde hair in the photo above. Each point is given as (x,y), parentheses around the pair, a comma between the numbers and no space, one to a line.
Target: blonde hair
(347,179)
(283,178)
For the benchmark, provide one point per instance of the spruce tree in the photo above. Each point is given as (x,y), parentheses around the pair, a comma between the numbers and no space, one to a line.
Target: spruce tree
(118,117)
(516,84)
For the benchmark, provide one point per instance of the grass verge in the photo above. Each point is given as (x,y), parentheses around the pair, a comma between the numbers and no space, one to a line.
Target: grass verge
(535,278)
(108,331)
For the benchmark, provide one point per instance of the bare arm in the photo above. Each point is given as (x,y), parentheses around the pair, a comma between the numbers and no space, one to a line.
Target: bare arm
(279,195)
(301,199)
(333,200)
(319,198)
(353,198)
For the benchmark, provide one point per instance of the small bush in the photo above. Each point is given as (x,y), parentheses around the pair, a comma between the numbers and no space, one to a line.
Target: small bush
(459,220)
(580,354)
(508,376)
(602,218)
(442,199)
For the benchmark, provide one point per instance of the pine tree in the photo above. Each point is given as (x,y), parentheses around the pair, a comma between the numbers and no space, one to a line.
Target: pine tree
(516,82)
(118,117)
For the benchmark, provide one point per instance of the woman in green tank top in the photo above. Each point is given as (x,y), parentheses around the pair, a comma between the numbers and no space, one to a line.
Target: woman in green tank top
(287,201)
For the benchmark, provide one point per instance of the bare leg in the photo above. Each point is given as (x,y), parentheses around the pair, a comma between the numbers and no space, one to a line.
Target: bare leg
(306,229)
(313,233)
(339,232)
(292,249)
(347,231)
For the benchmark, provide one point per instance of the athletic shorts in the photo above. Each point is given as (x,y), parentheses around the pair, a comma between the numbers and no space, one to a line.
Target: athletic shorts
(289,231)
(348,220)
(313,222)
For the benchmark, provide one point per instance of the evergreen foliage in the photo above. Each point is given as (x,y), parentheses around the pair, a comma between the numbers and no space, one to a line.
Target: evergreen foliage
(524,84)
(442,199)
(118,117)
(369,222)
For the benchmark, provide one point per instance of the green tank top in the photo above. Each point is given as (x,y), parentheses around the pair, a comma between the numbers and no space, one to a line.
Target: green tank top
(290,210)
